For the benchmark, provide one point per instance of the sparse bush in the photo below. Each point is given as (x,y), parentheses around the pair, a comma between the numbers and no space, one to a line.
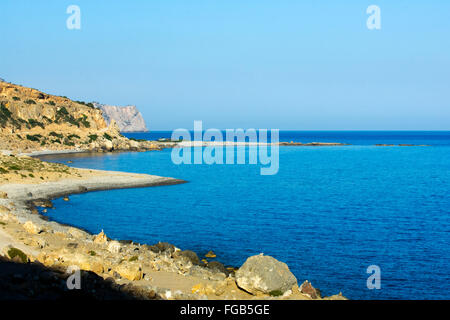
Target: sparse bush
(30,101)
(48,120)
(34,137)
(5,114)
(93,137)
(16,98)
(34,123)
(71,136)
(107,136)
(275,293)
(84,122)
(14,252)
(54,134)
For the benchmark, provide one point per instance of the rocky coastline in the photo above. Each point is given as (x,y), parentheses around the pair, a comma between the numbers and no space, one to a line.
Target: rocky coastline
(42,251)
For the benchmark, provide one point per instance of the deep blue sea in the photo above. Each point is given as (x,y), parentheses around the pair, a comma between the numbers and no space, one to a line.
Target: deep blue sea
(329,213)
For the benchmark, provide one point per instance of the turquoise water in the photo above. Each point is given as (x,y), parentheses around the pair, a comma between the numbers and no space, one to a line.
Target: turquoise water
(329,213)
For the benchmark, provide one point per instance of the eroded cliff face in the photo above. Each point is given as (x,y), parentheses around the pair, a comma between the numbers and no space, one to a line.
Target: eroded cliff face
(31,120)
(128,118)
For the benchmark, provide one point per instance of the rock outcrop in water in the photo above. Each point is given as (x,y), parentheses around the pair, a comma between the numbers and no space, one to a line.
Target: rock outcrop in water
(128,118)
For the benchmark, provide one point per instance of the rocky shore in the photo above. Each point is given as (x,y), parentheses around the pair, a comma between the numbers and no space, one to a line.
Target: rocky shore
(37,253)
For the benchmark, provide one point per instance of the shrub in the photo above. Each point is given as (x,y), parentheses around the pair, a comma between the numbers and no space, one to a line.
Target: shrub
(16,98)
(52,103)
(54,134)
(92,253)
(133,258)
(3,170)
(83,121)
(47,119)
(70,137)
(34,137)
(14,252)
(62,111)
(5,114)
(30,101)
(275,293)
(14,167)
(107,136)
(34,123)
(92,137)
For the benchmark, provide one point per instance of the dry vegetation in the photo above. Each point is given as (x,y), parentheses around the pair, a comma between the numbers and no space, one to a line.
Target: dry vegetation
(30,170)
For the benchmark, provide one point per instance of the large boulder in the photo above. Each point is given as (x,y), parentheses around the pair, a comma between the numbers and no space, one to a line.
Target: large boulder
(30,227)
(265,275)
(188,255)
(129,270)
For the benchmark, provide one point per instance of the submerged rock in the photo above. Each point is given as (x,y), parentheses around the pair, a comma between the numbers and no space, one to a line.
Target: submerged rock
(43,203)
(264,275)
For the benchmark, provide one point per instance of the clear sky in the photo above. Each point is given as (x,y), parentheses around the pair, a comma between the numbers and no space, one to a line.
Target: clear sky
(305,65)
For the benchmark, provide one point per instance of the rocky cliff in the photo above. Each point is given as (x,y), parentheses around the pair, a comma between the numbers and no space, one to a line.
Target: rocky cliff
(128,118)
(31,120)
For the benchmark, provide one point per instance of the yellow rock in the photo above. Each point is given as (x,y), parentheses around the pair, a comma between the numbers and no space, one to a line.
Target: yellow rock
(210,254)
(100,238)
(130,271)
(30,227)
(200,288)
(197,288)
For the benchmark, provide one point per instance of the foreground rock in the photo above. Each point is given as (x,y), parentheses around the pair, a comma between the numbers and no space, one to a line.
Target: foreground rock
(265,275)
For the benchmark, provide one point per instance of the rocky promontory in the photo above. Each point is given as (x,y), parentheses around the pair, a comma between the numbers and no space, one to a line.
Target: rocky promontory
(31,120)
(128,118)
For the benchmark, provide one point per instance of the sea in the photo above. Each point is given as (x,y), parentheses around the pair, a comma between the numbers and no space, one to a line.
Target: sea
(333,214)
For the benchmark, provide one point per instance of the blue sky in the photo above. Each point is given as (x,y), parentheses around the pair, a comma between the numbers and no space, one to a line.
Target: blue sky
(305,65)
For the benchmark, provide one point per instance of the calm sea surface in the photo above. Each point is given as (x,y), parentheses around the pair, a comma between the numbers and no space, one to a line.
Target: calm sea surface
(329,213)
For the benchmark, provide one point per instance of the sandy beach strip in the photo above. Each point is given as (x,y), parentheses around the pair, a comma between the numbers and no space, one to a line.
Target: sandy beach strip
(92,180)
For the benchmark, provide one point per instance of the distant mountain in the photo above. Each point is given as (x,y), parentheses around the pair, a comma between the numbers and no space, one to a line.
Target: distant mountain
(128,118)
